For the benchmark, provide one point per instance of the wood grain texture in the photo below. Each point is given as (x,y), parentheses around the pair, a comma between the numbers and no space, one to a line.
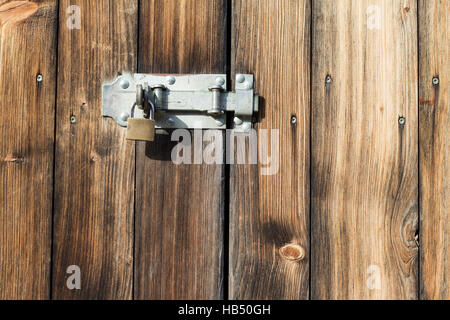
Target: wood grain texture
(434,149)
(364,162)
(94,189)
(179,208)
(271,39)
(27,48)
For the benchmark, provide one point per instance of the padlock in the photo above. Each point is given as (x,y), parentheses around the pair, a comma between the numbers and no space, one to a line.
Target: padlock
(142,129)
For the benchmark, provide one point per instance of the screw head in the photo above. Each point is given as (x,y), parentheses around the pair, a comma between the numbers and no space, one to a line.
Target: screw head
(401,121)
(220,81)
(39,78)
(124,116)
(124,84)
(328,79)
(293,119)
(435,81)
(240,78)
(171,80)
(73,119)
(238,121)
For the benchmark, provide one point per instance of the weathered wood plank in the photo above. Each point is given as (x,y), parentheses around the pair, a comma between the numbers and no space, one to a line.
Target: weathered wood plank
(27,49)
(179,209)
(94,189)
(271,39)
(364,159)
(434,144)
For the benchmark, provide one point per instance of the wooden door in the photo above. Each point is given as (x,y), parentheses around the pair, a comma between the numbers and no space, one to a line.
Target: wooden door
(348,197)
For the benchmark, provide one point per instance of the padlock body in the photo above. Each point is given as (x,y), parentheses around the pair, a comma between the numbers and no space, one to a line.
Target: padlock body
(141,129)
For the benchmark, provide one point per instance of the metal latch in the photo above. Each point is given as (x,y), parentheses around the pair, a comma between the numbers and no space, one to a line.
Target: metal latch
(181,101)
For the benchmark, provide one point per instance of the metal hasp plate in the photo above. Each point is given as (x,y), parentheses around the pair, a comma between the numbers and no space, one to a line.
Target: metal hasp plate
(183,101)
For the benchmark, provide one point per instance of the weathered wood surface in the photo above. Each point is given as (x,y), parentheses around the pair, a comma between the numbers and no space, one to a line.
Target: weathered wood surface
(364,162)
(27,48)
(94,186)
(271,39)
(179,209)
(160,234)
(434,149)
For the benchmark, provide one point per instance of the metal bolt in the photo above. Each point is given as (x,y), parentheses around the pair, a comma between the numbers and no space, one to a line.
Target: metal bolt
(435,81)
(124,84)
(73,119)
(124,116)
(171,80)
(240,78)
(293,119)
(215,108)
(39,78)
(328,79)
(220,81)
(219,122)
(238,121)
(171,121)
(246,126)
(158,91)
(158,86)
(140,96)
(401,121)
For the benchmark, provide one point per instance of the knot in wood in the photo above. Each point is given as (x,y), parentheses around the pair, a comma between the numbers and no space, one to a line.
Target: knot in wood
(293,252)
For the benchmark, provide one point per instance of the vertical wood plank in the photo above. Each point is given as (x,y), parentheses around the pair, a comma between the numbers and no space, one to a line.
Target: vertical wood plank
(179,209)
(271,39)
(434,149)
(94,187)
(27,48)
(364,158)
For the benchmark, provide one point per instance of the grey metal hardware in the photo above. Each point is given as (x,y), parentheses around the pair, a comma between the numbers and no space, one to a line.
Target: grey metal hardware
(182,101)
